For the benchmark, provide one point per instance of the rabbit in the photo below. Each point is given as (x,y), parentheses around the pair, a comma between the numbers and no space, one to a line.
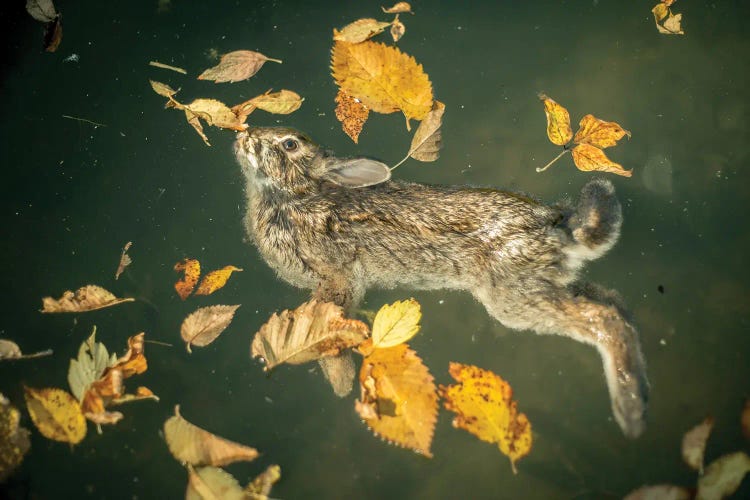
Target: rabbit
(339,226)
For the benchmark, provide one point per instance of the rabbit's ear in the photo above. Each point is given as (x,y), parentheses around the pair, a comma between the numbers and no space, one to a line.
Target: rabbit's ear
(356,172)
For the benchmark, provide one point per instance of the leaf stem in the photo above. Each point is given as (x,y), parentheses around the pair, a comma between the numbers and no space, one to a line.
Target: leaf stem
(84,120)
(402,161)
(542,169)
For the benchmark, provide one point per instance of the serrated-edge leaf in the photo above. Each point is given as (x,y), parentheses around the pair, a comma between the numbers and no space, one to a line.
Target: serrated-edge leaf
(396,323)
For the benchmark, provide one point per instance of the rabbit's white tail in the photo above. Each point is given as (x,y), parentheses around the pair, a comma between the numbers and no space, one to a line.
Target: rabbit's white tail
(595,223)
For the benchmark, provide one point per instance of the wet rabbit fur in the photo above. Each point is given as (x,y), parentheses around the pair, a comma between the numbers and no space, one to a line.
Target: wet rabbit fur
(340,226)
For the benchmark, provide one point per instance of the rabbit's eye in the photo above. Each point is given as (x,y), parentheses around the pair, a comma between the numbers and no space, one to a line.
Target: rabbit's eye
(290,145)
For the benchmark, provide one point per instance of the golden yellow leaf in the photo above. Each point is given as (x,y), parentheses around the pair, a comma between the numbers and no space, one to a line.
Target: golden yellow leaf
(215,113)
(484,407)
(694,444)
(398,8)
(312,331)
(660,11)
(236,66)
(590,158)
(351,113)
(56,414)
(86,298)
(14,439)
(383,78)
(599,133)
(396,323)
(282,102)
(359,31)
(397,29)
(260,487)
(192,445)
(558,121)
(205,324)
(398,400)
(215,280)
(162,88)
(192,270)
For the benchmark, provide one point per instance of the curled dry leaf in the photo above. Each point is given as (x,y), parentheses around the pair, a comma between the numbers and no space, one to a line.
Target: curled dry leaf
(162,89)
(214,113)
(351,113)
(484,407)
(590,158)
(236,66)
(56,414)
(157,64)
(312,331)
(599,133)
(694,444)
(125,260)
(192,270)
(396,323)
(260,487)
(397,29)
(360,30)
(10,350)
(87,298)
(204,325)
(659,492)
(14,439)
(192,445)
(282,102)
(212,483)
(398,8)
(745,419)
(660,12)
(92,360)
(558,121)
(723,476)
(215,280)
(398,401)
(672,25)
(427,140)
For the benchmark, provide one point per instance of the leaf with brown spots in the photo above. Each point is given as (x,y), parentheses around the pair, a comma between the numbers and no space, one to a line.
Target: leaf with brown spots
(56,414)
(351,113)
(192,270)
(215,280)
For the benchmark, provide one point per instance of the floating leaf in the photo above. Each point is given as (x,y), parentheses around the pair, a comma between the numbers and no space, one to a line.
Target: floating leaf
(694,444)
(203,326)
(484,407)
(558,121)
(192,445)
(745,419)
(398,8)
(397,29)
(398,401)
(282,102)
(214,113)
(339,371)
(162,89)
(92,360)
(87,298)
(351,113)
(396,323)
(260,487)
(599,133)
(212,483)
(192,270)
(125,260)
(312,331)
(659,492)
(672,25)
(383,78)
(427,140)
(215,280)
(660,11)
(359,31)
(41,10)
(157,64)
(14,439)
(53,34)
(723,476)
(10,350)
(236,66)
(56,414)
(194,121)
(590,158)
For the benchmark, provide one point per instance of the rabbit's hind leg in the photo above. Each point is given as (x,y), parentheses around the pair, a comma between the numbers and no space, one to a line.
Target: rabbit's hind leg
(590,316)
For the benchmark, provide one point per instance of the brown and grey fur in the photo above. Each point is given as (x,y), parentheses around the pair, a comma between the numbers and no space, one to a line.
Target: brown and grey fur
(341,226)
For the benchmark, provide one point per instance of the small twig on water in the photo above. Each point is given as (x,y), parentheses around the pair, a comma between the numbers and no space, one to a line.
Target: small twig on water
(542,169)
(158,342)
(84,120)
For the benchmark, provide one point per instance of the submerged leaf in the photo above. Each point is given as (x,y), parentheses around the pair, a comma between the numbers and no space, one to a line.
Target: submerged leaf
(745,419)
(125,260)
(590,158)
(87,298)
(192,270)
(215,113)
(236,66)
(14,439)
(41,10)
(723,476)
(672,25)
(351,113)
(360,30)
(694,444)
(204,325)
(162,89)
(215,280)
(56,414)
(397,29)
(558,121)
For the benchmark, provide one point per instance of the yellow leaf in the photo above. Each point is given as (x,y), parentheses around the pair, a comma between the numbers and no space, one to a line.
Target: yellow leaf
(215,280)
(192,445)
(672,25)
(282,102)
(558,121)
(192,270)
(205,324)
(236,66)
(14,439)
(590,158)
(351,113)
(359,31)
(162,88)
(599,133)
(398,8)
(56,413)
(398,400)
(660,12)
(396,323)
(383,78)
(484,407)
(215,113)
(723,476)
(87,298)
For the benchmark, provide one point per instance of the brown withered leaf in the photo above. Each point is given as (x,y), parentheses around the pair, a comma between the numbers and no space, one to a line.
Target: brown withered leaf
(359,31)
(176,69)
(192,270)
(215,280)
(215,113)
(723,476)
(590,158)
(194,121)
(14,439)
(427,140)
(282,102)
(53,34)
(236,66)
(192,445)
(10,350)
(398,8)
(125,260)
(694,444)
(745,419)
(599,133)
(162,89)
(558,121)
(312,331)
(86,298)
(398,401)
(397,29)
(204,325)
(383,78)
(351,113)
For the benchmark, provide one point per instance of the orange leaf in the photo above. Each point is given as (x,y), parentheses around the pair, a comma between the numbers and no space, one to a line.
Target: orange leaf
(483,406)
(398,400)
(590,158)
(215,280)
(598,132)
(192,269)
(398,8)
(236,66)
(558,121)
(351,113)
(133,361)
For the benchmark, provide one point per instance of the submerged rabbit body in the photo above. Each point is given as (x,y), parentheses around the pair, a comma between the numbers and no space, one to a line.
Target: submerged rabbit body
(340,225)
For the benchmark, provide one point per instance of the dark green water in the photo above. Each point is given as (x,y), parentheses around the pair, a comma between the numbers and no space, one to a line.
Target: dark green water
(72,194)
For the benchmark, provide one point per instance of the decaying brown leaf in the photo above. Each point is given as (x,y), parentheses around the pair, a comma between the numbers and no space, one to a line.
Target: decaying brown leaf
(14,439)
(359,31)
(215,280)
(192,270)
(590,158)
(157,64)
(398,8)
(192,445)
(87,298)
(53,34)
(236,66)
(397,29)
(427,140)
(10,350)
(125,260)
(204,325)
(723,476)
(312,331)
(694,444)
(351,113)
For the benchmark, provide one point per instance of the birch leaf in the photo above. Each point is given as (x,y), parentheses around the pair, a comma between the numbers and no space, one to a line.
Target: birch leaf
(558,121)
(204,325)
(215,113)
(590,158)
(427,140)
(215,280)
(212,483)
(723,476)
(87,298)
(56,414)
(694,444)
(396,323)
(351,113)
(360,30)
(236,66)
(89,366)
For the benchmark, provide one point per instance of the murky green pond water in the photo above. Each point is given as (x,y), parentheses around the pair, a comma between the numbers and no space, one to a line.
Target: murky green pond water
(73,194)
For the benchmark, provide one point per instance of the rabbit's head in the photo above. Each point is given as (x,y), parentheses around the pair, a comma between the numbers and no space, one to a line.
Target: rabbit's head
(287,160)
